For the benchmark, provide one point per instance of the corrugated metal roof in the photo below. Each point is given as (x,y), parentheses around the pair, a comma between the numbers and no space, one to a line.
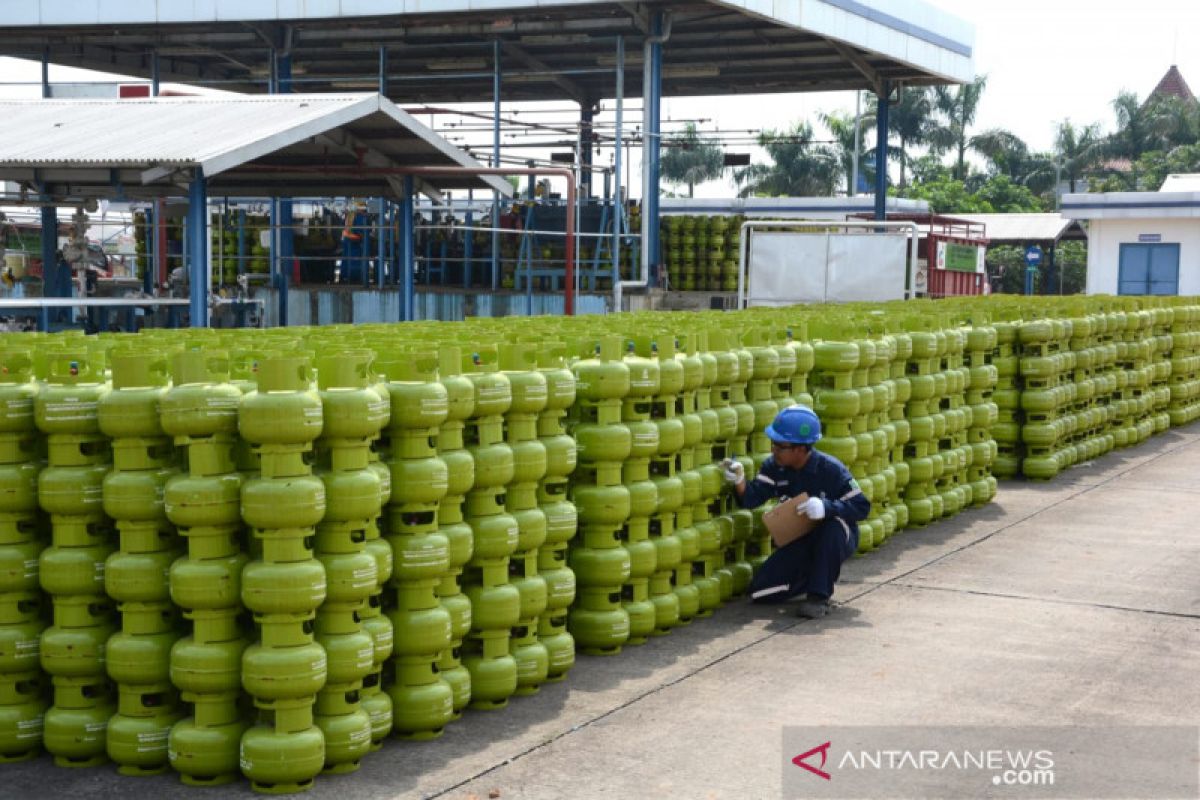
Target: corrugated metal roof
(171,130)
(1020,227)
(440,51)
(144,140)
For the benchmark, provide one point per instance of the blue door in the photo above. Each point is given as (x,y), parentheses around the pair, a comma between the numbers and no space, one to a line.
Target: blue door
(1148,269)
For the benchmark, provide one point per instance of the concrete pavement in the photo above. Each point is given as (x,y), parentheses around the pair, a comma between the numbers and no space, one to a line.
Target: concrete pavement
(1070,602)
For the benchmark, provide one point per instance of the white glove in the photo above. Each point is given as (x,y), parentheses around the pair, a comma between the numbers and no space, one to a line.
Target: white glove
(733,471)
(813,508)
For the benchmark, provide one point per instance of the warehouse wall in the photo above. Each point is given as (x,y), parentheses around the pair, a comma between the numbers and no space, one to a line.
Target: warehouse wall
(1105,237)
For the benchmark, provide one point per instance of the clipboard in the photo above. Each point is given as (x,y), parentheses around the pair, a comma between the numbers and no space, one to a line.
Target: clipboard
(784,524)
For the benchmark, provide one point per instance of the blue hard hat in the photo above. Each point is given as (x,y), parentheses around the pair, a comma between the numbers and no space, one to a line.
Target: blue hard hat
(795,425)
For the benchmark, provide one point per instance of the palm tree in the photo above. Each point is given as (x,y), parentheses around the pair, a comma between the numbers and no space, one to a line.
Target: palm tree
(1141,127)
(1180,119)
(910,121)
(1005,152)
(958,107)
(841,126)
(690,158)
(1076,149)
(800,167)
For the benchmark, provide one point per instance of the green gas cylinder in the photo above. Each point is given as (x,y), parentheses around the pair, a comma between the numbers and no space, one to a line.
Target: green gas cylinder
(283,759)
(22,715)
(75,726)
(200,401)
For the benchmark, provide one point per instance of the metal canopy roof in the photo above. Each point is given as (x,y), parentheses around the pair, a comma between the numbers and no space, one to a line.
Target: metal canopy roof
(1027,227)
(550,49)
(257,146)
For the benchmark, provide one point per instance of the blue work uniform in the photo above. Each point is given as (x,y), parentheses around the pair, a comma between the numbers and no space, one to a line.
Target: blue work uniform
(812,563)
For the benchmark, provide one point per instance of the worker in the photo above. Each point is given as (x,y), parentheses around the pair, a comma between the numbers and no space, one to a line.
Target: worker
(811,564)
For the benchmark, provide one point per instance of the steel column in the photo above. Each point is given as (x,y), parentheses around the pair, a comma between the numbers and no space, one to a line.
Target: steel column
(881,152)
(651,113)
(52,283)
(148,271)
(406,250)
(197,221)
(618,205)
(242,266)
(283,221)
(154,214)
(381,244)
(495,162)
(468,240)
(383,68)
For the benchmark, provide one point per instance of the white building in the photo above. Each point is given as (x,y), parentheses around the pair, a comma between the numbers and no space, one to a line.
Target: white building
(1142,242)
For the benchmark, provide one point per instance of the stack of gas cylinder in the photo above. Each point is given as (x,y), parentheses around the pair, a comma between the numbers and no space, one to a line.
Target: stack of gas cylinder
(262,553)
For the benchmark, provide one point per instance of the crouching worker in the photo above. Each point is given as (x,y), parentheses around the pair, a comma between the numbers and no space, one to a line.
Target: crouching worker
(811,564)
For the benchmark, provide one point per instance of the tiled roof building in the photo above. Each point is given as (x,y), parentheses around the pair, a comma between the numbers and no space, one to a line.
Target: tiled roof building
(1172,85)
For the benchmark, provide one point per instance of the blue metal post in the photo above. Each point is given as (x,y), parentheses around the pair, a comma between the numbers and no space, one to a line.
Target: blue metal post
(495,162)
(153,215)
(381,219)
(406,252)
(283,264)
(468,240)
(618,207)
(383,68)
(241,241)
(52,283)
(150,227)
(881,152)
(197,219)
(371,226)
(394,244)
(650,212)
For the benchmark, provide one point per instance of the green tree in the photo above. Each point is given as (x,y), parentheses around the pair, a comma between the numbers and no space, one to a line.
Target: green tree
(1077,150)
(1004,151)
(910,122)
(1180,120)
(1006,197)
(1071,260)
(1155,166)
(947,196)
(841,126)
(995,195)
(800,167)
(957,107)
(1137,127)
(1008,264)
(928,168)
(689,158)
(1007,154)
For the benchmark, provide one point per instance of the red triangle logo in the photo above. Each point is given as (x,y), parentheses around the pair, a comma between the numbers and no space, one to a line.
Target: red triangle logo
(823,749)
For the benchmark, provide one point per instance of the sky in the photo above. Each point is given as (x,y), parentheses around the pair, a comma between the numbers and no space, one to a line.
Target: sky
(1046,61)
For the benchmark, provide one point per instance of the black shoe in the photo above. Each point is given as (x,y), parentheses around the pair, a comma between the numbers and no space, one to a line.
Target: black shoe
(813,607)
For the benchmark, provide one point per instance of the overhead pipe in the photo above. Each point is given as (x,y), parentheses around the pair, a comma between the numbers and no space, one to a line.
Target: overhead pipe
(650,141)
(431,171)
